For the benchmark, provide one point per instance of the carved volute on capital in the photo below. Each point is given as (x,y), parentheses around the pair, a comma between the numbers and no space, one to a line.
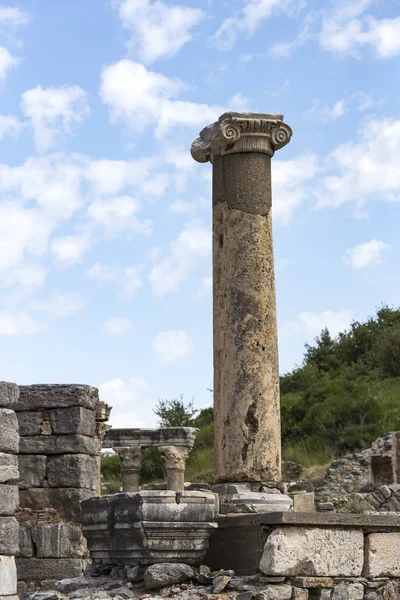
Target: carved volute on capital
(241,132)
(131,457)
(174,456)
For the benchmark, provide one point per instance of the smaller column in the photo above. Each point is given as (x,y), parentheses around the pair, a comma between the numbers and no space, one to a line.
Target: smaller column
(131,461)
(175,461)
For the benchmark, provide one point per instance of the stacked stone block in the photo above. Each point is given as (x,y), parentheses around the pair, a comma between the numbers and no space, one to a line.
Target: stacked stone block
(61,427)
(9,530)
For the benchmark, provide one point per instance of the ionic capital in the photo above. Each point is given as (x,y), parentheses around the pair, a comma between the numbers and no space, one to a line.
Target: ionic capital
(241,132)
(174,456)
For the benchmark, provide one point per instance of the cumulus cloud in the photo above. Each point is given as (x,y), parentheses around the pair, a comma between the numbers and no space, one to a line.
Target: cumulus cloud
(157,29)
(132,402)
(60,305)
(206,286)
(14,322)
(7,62)
(310,324)
(118,325)
(128,279)
(192,245)
(10,126)
(117,214)
(140,97)
(170,346)
(53,112)
(69,249)
(13,17)
(367,254)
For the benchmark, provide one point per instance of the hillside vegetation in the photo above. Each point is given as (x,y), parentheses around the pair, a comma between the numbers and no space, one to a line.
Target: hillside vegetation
(344,395)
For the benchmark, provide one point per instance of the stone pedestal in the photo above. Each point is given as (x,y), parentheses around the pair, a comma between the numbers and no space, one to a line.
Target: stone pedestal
(246,376)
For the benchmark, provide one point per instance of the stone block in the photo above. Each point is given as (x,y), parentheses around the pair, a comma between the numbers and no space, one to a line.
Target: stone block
(355,591)
(300,593)
(275,592)
(32,423)
(40,569)
(252,502)
(303,502)
(307,551)
(8,467)
(33,397)
(73,420)
(9,536)
(74,471)
(25,542)
(32,470)
(59,444)
(60,541)
(8,576)
(9,394)
(313,582)
(65,500)
(9,436)
(9,499)
(382,555)
(164,574)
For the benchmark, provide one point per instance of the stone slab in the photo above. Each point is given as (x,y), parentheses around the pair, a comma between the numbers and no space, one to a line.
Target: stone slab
(165,436)
(382,555)
(59,444)
(9,536)
(8,576)
(9,394)
(33,397)
(31,422)
(33,470)
(316,552)
(9,436)
(304,502)
(74,471)
(313,582)
(60,540)
(9,499)
(65,500)
(25,542)
(73,420)
(252,502)
(8,467)
(39,569)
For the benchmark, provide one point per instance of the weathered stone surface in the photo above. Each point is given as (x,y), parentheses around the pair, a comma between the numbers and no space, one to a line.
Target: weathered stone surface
(73,470)
(303,502)
(220,583)
(60,541)
(33,397)
(31,423)
(251,502)
(8,576)
(275,592)
(163,574)
(382,555)
(38,569)
(300,593)
(134,574)
(59,444)
(9,394)
(8,467)
(32,469)
(355,591)
(65,500)
(9,436)
(9,536)
(313,582)
(73,420)
(9,499)
(313,551)
(25,542)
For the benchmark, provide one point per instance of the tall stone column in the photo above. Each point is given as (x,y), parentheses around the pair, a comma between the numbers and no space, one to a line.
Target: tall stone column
(246,377)
(131,461)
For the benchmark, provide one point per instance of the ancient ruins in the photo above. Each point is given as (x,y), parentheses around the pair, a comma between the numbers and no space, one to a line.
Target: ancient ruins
(252,535)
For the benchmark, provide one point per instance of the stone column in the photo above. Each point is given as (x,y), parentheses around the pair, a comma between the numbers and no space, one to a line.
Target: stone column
(131,461)
(246,376)
(175,461)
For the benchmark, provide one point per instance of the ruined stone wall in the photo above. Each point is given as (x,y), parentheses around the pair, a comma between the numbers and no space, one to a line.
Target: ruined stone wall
(59,465)
(9,441)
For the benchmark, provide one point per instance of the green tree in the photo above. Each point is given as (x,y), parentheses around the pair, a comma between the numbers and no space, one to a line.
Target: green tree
(175,413)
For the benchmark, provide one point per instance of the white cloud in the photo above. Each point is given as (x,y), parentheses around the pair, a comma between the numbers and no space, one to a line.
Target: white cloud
(53,112)
(132,402)
(128,279)
(118,325)
(140,98)
(116,214)
(206,286)
(291,182)
(13,17)
(358,100)
(60,305)
(170,346)
(27,275)
(250,18)
(157,29)
(7,62)
(69,249)
(9,126)
(17,323)
(367,254)
(310,324)
(182,207)
(192,244)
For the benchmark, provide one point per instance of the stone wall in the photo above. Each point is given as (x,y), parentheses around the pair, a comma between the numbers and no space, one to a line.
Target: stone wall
(59,464)
(9,442)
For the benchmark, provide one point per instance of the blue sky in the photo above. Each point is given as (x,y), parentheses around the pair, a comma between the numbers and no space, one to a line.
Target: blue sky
(105,220)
